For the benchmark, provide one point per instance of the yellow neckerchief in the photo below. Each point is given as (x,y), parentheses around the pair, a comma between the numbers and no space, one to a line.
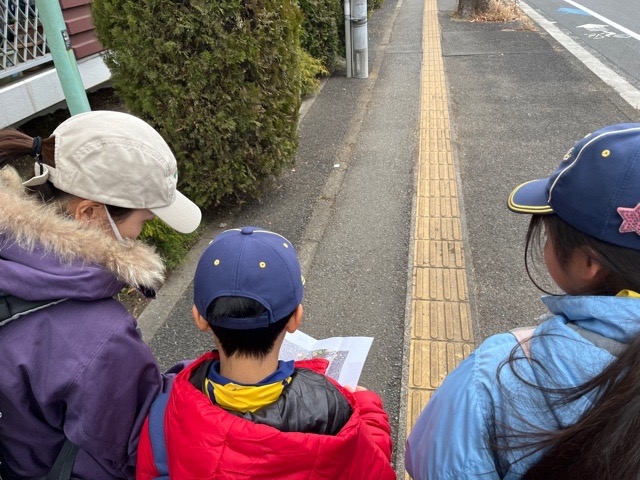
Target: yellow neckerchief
(628,293)
(244,398)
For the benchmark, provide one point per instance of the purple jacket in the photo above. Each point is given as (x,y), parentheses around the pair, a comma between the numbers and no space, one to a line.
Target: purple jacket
(78,369)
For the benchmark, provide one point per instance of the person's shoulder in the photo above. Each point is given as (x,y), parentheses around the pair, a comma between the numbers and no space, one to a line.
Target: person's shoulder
(472,384)
(459,410)
(104,313)
(307,385)
(318,365)
(497,344)
(87,326)
(484,360)
(311,378)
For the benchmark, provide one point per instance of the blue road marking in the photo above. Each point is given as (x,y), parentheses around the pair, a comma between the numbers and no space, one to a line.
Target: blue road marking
(572,11)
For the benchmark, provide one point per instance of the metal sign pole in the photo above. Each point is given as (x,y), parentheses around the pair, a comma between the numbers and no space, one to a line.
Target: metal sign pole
(63,56)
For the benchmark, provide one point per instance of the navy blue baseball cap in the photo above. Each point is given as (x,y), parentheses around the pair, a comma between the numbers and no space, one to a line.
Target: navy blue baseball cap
(253,263)
(596,188)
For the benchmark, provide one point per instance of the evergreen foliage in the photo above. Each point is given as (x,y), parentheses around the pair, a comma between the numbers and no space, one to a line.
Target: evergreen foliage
(219,79)
(171,245)
(374,5)
(321,30)
(311,69)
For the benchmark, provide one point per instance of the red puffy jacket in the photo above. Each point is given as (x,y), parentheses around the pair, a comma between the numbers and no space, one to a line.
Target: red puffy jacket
(204,441)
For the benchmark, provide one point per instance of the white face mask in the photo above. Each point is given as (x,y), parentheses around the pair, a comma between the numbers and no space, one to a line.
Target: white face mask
(114,227)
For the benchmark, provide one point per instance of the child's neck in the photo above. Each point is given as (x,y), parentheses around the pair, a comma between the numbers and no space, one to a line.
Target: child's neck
(248,370)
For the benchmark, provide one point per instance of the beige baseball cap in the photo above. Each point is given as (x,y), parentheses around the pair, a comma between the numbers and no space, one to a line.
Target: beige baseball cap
(120,160)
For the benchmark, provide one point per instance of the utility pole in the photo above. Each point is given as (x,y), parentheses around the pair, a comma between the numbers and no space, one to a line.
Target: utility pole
(356,38)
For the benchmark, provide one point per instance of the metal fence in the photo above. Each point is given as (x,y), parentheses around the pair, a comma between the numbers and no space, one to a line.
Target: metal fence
(22,38)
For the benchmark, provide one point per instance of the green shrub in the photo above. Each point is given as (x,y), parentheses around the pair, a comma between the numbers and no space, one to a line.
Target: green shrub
(321,29)
(219,79)
(374,5)
(311,69)
(171,245)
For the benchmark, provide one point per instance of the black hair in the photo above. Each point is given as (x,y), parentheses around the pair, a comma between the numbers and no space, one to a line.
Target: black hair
(603,442)
(15,145)
(255,342)
(623,264)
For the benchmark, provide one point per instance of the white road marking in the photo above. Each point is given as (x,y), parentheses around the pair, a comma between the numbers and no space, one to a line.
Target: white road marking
(631,33)
(627,91)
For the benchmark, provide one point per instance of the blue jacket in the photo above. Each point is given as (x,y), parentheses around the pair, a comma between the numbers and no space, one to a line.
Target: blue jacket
(78,369)
(450,439)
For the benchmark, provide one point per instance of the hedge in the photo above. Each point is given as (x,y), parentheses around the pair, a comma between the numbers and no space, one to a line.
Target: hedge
(323,30)
(219,79)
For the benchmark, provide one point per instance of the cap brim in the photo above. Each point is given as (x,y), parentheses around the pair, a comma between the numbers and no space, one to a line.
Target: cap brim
(530,197)
(182,215)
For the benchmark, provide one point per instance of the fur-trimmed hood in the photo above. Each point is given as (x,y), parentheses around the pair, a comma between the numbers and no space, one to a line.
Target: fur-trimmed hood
(29,228)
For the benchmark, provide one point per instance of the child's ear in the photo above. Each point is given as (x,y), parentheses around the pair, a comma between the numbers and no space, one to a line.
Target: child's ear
(88,211)
(296,319)
(201,323)
(592,269)
(593,273)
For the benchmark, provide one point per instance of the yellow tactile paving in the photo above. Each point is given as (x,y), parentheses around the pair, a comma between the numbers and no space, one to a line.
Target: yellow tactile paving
(441,326)
(436,228)
(441,320)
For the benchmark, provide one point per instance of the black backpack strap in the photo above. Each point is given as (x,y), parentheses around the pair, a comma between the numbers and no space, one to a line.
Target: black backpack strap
(63,465)
(12,307)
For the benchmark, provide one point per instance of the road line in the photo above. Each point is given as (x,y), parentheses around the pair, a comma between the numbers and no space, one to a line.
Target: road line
(631,33)
(627,91)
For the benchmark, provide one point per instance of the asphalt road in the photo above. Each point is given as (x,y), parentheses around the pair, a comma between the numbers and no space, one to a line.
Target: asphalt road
(610,30)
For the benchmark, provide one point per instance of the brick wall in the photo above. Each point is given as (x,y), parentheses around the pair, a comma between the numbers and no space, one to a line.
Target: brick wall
(77,16)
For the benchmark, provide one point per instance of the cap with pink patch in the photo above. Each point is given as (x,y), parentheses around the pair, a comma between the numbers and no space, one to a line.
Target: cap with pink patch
(596,188)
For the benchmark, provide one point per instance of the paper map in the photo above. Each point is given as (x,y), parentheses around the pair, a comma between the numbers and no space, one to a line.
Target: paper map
(346,355)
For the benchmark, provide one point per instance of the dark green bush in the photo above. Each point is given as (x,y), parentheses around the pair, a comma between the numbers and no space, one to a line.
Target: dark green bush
(220,79)
(321,27)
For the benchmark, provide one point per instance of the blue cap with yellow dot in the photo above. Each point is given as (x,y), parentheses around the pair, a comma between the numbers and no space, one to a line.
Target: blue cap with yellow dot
(254,263)
(596,188)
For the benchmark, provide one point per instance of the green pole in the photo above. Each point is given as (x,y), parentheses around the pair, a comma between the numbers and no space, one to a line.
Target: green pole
(63,57)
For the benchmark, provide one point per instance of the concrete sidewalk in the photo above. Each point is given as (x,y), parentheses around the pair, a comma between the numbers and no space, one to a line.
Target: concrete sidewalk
(518,100)
(397,201)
